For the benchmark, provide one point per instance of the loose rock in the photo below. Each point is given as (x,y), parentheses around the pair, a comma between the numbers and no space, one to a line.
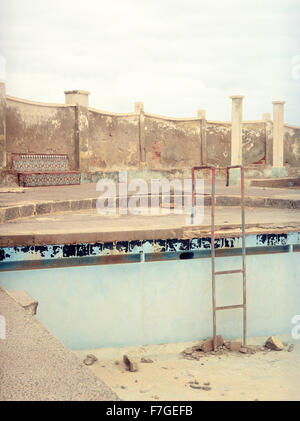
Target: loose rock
(235,345)
(130,363)
(274,344)
(208,344)
(195,386)
(291,347)
(90,359)
(146,360)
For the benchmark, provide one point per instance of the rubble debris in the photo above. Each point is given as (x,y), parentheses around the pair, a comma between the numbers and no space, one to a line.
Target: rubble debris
(195,386)
(208,344)
(251,349)
(274,344)
(90,359)
(235,345)
(205,348)
(131,365)
(146,360)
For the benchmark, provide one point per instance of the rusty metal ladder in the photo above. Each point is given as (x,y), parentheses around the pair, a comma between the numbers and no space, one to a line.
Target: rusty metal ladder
(213,254)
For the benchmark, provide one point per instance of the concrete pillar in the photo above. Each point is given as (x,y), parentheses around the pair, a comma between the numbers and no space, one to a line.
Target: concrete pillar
(2,126)
(269,138)
(202,115)
(139,108)
(278,112)
(79,99)
(266,117)
(236,130)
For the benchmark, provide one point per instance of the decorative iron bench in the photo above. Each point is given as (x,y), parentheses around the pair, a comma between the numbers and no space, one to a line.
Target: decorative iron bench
(44,170)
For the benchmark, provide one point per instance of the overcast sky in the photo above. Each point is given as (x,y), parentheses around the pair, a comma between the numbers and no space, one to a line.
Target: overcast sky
(177,56)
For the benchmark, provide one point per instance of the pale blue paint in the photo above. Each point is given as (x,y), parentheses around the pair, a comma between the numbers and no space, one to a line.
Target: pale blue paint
(160,302)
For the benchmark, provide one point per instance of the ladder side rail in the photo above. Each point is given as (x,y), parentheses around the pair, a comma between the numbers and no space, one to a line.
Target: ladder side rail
(243,235)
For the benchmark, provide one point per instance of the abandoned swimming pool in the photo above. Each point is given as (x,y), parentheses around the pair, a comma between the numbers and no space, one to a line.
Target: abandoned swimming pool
(156,291)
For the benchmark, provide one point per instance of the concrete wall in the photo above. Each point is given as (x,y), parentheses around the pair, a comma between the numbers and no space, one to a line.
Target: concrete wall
(218,138)
(172,143)
(113,141)
(138,140)
(291,151)
(40,128)
(254,142)
(161,302)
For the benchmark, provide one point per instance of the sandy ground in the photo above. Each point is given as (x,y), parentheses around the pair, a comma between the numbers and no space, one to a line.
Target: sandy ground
(273,375)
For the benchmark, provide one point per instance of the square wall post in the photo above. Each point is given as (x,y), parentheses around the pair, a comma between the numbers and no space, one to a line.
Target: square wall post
(139,108)
(203,144)
(278,119)
(236,130)
(79,99)
(2,126)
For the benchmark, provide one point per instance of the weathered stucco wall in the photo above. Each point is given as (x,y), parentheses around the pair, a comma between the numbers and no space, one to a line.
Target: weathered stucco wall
(291,141)
(113,141)
(254,142)
(172,143)
(40,128)
(218,137)
(109,141)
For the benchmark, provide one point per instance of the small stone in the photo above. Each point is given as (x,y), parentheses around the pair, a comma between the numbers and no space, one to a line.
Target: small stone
(206,384)
(235,345)
(90,359)
(188,351)
(243,350)
(130,363)
(146,360)
(155,397)
(195,386)
(206,388)
(208,344)
(144,390)
(274,344)
(123,387)
(117,362)
(291,347)
(251,349)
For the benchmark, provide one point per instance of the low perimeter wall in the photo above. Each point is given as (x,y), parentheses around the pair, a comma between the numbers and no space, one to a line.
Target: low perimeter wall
(99,141)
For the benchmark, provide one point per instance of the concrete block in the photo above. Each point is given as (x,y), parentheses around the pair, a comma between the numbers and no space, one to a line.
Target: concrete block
(24,300)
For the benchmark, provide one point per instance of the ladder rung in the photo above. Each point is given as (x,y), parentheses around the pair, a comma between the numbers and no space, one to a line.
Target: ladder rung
(224,272)
(229,307)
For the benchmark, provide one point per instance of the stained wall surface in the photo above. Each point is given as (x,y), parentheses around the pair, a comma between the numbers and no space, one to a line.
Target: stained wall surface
(40,129)
(136,140)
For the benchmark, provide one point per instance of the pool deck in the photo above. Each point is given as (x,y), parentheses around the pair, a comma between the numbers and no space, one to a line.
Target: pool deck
(67,215)
(36,366)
